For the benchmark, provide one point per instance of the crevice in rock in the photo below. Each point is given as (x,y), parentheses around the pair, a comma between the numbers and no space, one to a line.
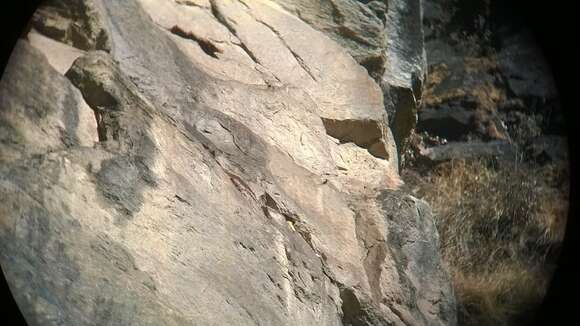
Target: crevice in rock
(404,119)
(306,235)
(296,56)
(100,101)
(224,21)
(244,4)
(101,130)
(241,186)
(357,311)
(208,47)
(375,66)
(189,4)
(104,99)
(292,218)
(367,134)
(234,138)
(351,308)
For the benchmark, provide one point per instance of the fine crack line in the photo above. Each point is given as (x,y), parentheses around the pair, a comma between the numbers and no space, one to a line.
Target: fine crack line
(339,19)
(207,46)
(244,4)
(223,20)
(296,56)
(189,4)
(233,137)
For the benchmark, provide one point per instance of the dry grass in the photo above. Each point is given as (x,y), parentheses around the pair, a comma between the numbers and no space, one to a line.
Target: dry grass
(498,227)
(505,296)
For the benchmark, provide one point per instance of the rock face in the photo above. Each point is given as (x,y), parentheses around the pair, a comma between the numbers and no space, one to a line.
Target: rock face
(385,37)
(488,80)
(201,162)
(405,75)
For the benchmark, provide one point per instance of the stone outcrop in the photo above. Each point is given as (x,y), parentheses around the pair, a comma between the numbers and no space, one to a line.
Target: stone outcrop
(404,78)
(211,163)
(74,23)
(385,37)
(488,80)
(469,150)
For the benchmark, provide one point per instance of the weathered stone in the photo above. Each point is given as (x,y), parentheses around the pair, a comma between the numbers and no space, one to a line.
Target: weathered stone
(454,122)
(359,28)
(60,56)
(74,22)
(54,118)
(411,232)
(467,150)
(223,176)
(526,71)
(406,67)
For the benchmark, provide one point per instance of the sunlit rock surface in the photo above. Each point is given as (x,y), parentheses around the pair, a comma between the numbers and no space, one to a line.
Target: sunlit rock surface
(211,163)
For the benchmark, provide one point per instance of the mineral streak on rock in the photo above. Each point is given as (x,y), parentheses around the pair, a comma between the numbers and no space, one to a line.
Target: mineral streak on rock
(213,162)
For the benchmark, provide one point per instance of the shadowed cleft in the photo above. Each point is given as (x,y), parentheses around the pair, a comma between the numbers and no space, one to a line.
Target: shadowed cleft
(221,18)
(208,47)
(351,308)
(357,313)
(367,134)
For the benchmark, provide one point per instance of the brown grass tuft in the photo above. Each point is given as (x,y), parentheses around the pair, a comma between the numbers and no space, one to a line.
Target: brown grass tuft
(499,227)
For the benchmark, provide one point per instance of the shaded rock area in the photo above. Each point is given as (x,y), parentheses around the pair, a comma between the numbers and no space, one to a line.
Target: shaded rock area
(404,78)
(74,23)
(359,26)
(201,162)
(490,154)
(488,80)
(386,38)
(470,150)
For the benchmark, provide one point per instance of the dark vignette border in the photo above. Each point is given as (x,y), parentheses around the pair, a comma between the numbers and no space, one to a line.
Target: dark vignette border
(14,17)
(554,25)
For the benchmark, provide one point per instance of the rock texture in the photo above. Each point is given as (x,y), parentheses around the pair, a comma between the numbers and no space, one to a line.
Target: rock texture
(404,78)
(487,84)
(488,80)
(469,150)
(201,162)
(385,37)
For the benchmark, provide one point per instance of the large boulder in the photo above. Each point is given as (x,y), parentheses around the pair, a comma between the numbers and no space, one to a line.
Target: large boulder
(208,166)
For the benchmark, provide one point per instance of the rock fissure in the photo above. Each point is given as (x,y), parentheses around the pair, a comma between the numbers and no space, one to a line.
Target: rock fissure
(224,21)
(190,3)
(296,56)
(366,134)
(207,46)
